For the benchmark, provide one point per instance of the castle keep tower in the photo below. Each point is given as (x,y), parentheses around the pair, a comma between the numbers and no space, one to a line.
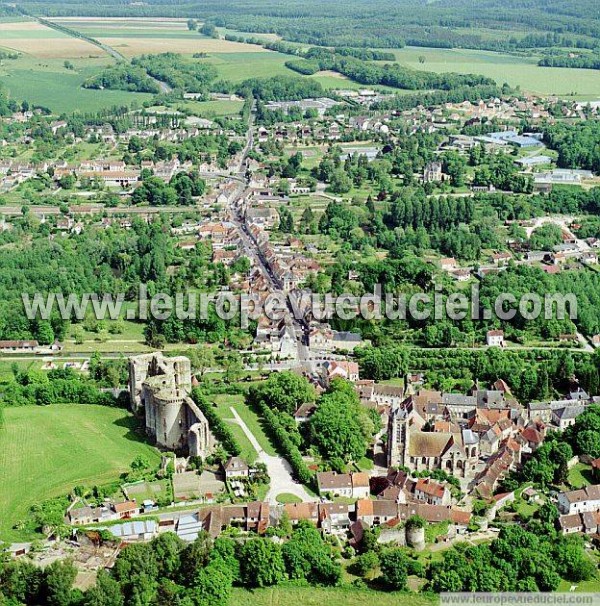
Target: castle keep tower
(161,386)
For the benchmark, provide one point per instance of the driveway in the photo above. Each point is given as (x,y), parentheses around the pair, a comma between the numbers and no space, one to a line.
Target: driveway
(278,468)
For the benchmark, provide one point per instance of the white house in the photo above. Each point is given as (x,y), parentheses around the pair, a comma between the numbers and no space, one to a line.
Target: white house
(495,338)
(580,501)
(351,485)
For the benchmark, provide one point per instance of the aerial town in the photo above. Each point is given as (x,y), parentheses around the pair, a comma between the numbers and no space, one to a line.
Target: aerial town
(324,327)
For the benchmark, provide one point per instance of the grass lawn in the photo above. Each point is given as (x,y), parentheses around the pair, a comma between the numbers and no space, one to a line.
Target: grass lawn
(365,464)
(332,596)
(580,475)
(225,401)
(113,344)
(592,586)
(237,67)
(46,451)
(142,491)
(213,109)
(286,498)
(6,367)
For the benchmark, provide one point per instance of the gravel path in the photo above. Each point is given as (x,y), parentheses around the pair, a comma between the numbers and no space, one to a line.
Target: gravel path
(278,468)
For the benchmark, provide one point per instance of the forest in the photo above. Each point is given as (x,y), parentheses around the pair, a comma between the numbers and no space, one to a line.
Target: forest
(577,144)
(177,72)
(382,23)
(591,61)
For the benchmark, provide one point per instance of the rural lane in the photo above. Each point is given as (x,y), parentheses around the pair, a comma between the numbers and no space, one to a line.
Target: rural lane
(278,468)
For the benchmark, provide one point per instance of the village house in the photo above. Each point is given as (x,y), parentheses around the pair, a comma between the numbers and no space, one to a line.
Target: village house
(304,412)
(431,492)
(461,275)
(341,369)
(18,346)
(263,217)
(352,485)
(376,512)
(236,467)
(433,173)
(501,258)
(494,338)
(335,517)
(297,512)
(448,264)
(580,501)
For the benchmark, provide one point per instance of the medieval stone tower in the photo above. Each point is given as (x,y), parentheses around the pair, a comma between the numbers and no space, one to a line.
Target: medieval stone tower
(161,386)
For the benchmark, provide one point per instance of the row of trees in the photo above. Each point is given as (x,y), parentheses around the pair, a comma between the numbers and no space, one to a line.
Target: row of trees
(531,374)
(123,77)
(339,430)
(219,428)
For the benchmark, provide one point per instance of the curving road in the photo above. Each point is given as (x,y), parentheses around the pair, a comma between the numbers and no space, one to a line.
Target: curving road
(109,50)
(278,468)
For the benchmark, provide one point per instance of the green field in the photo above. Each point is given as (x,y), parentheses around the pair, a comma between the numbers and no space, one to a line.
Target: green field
(332,596)
(516,70)
(48,83)
(46,451)
(237,67)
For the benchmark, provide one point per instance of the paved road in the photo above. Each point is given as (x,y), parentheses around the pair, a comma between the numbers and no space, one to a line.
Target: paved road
(109,50)
(252,250)
(278,468)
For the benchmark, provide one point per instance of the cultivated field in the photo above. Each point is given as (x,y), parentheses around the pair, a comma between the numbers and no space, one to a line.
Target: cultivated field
(46,451)
(136,37)
(48,83)
(516,70)
(240,66)
(37,40)
(40,76)
(235,61)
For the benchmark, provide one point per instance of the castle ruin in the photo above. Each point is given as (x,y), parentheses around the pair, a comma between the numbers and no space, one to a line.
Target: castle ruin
(161,386)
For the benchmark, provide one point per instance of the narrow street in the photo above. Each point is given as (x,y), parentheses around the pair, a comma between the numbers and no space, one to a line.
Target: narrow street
(253,252)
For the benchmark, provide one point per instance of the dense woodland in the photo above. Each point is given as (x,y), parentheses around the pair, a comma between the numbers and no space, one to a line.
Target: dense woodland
(382,23)
(101,261)
(588,61)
